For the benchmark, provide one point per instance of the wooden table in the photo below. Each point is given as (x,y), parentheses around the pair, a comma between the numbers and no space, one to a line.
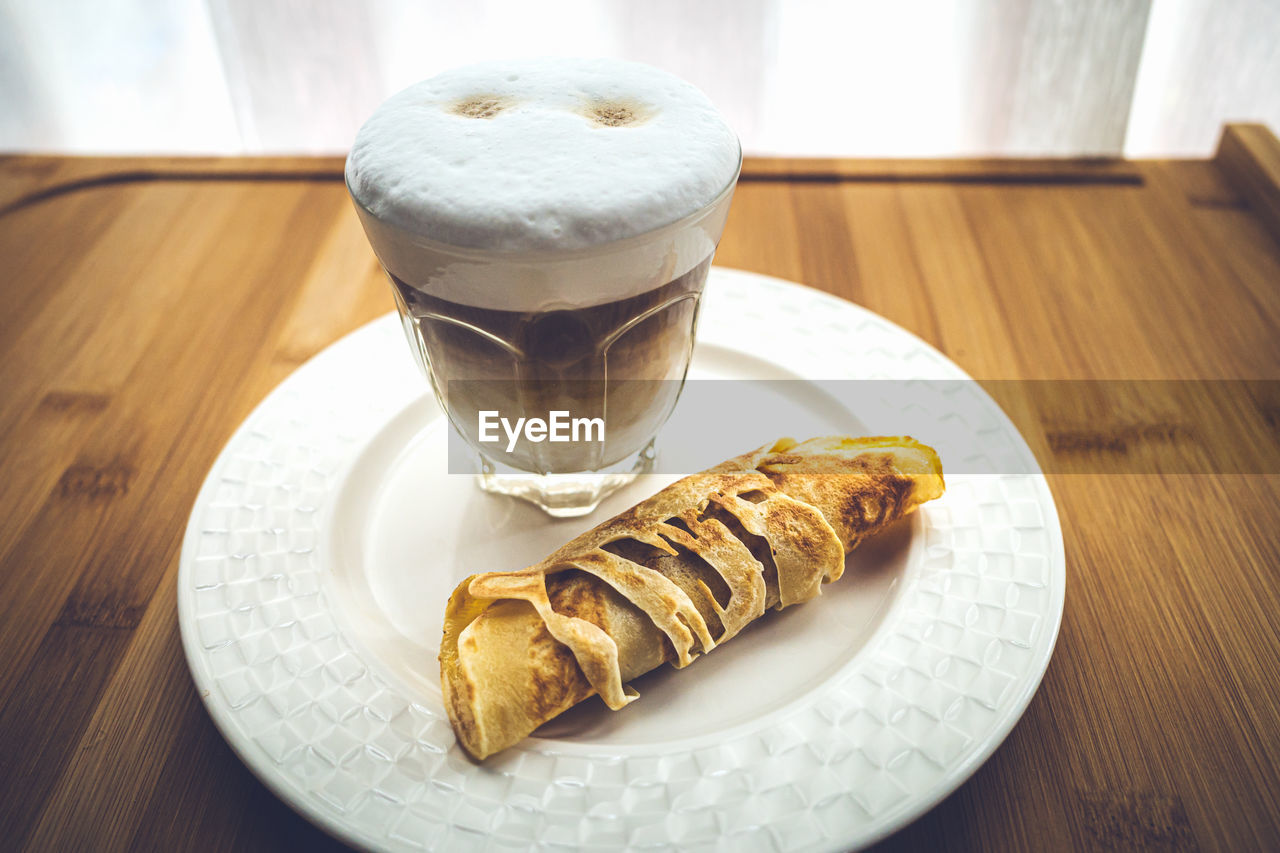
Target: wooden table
(150,303)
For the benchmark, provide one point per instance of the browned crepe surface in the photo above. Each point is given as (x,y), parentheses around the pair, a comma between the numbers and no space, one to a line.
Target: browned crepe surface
(668,579)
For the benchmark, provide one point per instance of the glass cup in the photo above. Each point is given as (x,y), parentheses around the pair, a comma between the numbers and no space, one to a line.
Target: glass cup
(600,333)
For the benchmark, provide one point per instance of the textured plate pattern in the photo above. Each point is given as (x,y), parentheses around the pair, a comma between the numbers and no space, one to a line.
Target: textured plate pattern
(906,721)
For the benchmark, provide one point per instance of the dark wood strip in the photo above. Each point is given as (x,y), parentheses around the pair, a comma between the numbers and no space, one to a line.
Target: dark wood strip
(1048,177)
(44,723)
(145,176)
(105,172)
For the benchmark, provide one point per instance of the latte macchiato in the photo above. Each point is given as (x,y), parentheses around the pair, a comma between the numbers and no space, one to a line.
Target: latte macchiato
(547,226)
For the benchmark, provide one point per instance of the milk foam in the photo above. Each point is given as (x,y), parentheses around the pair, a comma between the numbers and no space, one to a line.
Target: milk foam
(541,156)
(519,155)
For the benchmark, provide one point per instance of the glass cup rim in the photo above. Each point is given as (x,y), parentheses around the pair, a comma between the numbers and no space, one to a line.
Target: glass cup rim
(553,253)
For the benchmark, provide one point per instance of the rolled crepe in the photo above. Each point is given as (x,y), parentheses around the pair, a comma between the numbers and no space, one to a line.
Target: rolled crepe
(668,580)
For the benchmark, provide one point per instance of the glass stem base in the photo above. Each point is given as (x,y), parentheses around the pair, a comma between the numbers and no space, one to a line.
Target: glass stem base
(565,495)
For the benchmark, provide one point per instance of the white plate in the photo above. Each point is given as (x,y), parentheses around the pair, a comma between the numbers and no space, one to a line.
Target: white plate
(328,535)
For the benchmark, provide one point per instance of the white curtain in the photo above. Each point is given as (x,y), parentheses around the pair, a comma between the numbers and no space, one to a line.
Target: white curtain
(795,77)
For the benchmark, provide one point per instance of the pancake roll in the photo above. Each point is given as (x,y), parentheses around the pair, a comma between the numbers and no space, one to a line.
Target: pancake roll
(668,580)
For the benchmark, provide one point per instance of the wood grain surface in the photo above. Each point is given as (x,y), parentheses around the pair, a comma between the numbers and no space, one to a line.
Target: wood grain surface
(149,304)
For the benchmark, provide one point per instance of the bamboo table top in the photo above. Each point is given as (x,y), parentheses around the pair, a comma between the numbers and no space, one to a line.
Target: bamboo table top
(151,303)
